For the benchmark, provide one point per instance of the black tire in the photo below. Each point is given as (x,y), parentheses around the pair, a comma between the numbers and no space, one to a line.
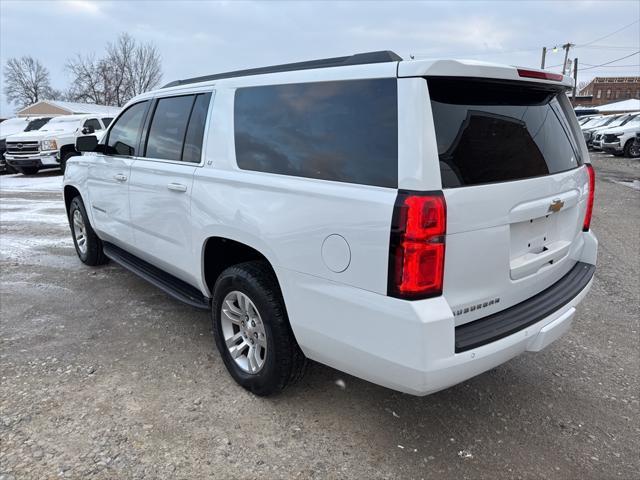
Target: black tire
(630,151)
(93,254)
(284,362)
(29,170)
(64,157)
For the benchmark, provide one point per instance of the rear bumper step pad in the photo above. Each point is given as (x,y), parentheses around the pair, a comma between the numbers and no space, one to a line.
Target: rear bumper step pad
(502,324)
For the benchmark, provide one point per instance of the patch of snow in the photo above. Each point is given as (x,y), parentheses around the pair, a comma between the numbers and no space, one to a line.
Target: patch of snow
(44,182)
(21,210)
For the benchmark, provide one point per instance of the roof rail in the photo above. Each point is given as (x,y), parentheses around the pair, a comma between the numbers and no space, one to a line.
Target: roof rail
(357,59)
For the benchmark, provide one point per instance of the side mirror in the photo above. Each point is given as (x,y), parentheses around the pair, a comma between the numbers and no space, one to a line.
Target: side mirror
(87,144)
(88,130)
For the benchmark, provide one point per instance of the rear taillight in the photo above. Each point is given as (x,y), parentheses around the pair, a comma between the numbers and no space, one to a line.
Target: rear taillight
(592,190)
(523,72)
(416,251)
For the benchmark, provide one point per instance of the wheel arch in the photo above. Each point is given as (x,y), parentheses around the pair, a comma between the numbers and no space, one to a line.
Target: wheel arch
(69,147)
(69,193)
(221,252)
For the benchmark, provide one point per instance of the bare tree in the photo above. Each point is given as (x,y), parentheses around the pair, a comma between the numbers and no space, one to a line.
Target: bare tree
(128,69)
(27,81)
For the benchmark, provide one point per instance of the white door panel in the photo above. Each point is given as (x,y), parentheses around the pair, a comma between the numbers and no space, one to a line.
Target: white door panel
(160,203)
(108,187)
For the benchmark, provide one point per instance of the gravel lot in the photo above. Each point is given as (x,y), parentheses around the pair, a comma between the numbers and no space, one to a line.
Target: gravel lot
(104,376)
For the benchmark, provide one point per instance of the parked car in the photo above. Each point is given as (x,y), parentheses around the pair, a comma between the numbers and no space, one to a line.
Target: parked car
(620,140)
(412,223)
(52,145)
(597,134)
(16,125)
(588,131)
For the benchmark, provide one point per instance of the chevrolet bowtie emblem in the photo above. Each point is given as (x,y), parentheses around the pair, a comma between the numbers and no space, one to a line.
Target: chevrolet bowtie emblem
(556,205)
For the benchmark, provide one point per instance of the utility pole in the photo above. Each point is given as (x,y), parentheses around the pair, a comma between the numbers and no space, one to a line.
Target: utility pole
(544,54)
(566,47)
(575,79)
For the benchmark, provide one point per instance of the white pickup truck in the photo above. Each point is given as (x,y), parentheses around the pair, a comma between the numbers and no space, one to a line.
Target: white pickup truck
(13,126)
(53,144)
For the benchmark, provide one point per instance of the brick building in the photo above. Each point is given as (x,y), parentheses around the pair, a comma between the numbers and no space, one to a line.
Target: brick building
(602,90)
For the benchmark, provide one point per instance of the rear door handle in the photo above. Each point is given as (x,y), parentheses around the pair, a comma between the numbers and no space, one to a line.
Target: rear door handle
(120,177)
(177,187)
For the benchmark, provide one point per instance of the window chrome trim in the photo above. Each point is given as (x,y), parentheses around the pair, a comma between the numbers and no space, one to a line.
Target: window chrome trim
(183,93)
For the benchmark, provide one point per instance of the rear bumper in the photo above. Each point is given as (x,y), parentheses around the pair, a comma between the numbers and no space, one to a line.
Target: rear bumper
(411,346)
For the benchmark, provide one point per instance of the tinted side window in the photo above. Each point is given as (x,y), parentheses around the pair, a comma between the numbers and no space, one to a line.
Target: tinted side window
(123,136)
(168,127)
(345,131)
(93,122)
(107,121)
(195,131)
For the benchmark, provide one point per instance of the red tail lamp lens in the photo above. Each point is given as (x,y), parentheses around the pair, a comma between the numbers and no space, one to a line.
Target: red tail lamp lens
(592,190)
(417,247)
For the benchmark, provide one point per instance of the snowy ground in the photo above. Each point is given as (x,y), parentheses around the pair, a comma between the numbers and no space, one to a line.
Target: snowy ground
(47,181)
(32,218)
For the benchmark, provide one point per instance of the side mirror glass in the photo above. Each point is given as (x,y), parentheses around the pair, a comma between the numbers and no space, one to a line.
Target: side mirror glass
(88,130)
(87,144)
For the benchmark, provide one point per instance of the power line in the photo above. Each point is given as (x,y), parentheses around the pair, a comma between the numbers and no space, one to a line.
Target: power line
(610,47)
(609,34)
(612,61)
(616,66)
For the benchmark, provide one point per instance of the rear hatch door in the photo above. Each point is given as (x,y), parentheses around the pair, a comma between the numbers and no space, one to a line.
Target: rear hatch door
(511,163)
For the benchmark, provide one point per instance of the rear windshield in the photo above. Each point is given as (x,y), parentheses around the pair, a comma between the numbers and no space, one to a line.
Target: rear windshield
(500,131)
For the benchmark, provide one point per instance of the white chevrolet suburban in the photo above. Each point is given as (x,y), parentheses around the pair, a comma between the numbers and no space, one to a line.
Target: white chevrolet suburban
(53,144)
(412,223)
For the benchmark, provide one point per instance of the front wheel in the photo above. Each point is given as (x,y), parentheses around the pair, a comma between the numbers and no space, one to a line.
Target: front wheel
(632,149)
(88,245)
(252,331)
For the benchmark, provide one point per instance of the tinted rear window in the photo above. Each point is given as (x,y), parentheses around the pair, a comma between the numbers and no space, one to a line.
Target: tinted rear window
(496,132)
(345,131)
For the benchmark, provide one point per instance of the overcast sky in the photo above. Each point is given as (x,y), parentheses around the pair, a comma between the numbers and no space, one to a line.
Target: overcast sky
(197,38)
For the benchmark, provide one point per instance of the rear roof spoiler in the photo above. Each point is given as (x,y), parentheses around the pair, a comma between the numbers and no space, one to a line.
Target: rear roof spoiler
(476,69)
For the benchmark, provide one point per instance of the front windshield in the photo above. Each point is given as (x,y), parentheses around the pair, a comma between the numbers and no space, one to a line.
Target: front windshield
(602,122)
(620,121)
(36,124)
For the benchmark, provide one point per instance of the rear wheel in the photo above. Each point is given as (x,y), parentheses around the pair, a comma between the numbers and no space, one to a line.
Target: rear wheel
(631,149)
(252,331)
(88,245)
(29,170)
